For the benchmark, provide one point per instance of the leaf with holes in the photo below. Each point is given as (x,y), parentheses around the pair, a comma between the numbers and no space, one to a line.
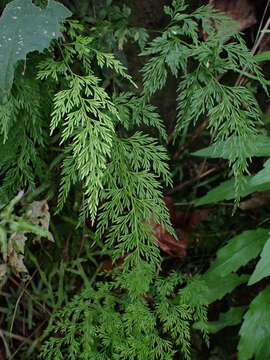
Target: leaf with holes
(24,28)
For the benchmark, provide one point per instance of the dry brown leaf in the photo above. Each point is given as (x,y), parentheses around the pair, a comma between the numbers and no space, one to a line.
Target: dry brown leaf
(189,219)
(38,213)
(16,247)
(256,201)
(241,11)
(3,271)
(107,265)
(183,223)
(167,242)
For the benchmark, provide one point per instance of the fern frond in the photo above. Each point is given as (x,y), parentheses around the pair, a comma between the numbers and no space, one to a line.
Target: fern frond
(132,196)
(124,324)
(200,65)
(136,112)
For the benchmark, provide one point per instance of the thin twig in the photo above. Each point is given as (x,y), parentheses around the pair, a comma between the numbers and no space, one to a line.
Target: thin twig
(16,337)
(260,26)
(17,304)
(197,131)
(30,295)
(7,350)
(191,181)
(37,345)
(256,45)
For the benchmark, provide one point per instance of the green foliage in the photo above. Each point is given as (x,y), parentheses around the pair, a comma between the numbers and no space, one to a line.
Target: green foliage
(262,177)
(26,28)
(217,286)
(264,56)
(122,171)
(127,182)
(132,198)
(23,131)
(124,325)
(260,147)
(232,111)
(262,267)
(111,27)
(254,331)
(239,251)
(243,248)
(87,113)
(76,126)
(134,111)
(225,191)
(231,318)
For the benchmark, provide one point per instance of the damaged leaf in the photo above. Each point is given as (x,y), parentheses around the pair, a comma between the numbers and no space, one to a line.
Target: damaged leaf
(15,231)
(16,247)
(3,272)
(39,215)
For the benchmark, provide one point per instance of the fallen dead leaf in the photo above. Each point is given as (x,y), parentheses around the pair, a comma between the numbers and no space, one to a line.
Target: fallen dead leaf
(257,200)
(167,242)
(16,247)
(190,219)
(37,224)
(3,272)
(241,11)
(183,223)
(38,212)
(107,265)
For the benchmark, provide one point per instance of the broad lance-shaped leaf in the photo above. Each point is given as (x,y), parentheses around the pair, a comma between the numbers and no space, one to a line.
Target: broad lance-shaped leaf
(263,176)
(263,266)
(230,318)
(220,279)
(264,56)
(24,28)
(254,333)
(218,286)
(239,251)
(258,145)
(226,190)
(207,288)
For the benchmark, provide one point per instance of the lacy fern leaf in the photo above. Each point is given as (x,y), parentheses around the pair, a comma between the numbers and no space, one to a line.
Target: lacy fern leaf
(104,323)
(200,65)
